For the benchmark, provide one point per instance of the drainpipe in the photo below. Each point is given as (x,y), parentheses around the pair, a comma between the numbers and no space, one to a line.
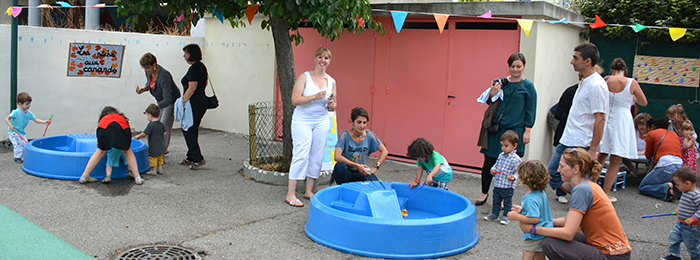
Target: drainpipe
(13,61)
(34,13)
(92,15)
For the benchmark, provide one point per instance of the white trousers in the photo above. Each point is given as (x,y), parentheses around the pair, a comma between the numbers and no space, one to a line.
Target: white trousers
(309,139)
(17,143)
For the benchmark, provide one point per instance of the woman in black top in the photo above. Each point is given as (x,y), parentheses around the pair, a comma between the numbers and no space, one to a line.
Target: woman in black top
(193,85)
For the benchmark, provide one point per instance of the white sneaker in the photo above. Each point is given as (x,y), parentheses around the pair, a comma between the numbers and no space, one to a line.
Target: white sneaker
(138,180)
(613,199)
(151,173)
(504,220)
(562,200)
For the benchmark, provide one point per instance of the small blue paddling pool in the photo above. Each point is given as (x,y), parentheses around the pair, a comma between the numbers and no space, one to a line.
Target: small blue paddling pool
(364,218)
(65,157)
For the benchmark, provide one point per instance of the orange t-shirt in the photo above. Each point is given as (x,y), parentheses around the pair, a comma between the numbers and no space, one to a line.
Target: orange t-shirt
(113,117)
(600,223)
(670,145)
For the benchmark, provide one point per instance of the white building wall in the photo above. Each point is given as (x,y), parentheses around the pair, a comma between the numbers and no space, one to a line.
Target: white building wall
(551,73)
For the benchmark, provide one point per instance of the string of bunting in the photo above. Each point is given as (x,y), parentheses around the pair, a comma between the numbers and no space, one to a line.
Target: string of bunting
(399,18)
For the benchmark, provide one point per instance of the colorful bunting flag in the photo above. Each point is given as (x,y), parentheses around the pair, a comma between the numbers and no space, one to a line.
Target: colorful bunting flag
(676,33)
(181,17)
(487,15)
(598,23)
(637,28)
(250,11)
(44,6)
(526,25)
(560,21)
(64,4)
(8,11)
(102,5)
(441,19)
(15,11)
(219,15)
(399,18)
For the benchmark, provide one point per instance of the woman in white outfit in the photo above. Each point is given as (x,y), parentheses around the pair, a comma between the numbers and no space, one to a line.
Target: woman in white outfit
(313,94)
(619,139)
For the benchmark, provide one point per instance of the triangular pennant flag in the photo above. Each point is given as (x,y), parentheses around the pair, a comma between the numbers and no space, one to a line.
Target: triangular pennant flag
(15,11)
(441,19)
(399,18)
(486,15)
(638,28)
(219,15)
(598,23)
(181,17)
(676,33)
(102,5)
(560,21)
(360,21)
(44,6)
(250,11)
(64,4)
(526,25)
(8,10)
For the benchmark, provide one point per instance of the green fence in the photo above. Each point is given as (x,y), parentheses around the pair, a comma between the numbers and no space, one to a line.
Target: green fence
(265,136)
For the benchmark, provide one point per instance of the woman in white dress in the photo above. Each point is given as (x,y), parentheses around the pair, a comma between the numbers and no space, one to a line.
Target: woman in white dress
(619,139)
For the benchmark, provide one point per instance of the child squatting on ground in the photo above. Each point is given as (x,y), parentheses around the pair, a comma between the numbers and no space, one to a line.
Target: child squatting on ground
(687,229)
(115,158)
(156,140)
(535,208)
(505,173)
(17,121)
(434,164)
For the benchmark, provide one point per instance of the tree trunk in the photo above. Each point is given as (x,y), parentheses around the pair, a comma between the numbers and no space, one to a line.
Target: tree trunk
(285,73)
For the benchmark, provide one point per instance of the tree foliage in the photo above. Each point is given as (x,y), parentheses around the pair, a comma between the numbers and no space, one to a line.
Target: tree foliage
(666,13)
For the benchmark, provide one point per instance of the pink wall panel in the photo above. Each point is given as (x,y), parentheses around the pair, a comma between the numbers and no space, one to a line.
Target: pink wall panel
(478,57)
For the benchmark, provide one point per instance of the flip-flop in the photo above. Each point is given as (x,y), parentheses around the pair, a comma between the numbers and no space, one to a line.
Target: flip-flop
(186,162)
(307,197)
(294,203)
(196,165)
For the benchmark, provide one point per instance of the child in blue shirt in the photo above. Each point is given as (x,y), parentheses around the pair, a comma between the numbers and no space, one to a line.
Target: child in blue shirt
(535,209)
(17,121)
(505,173)
(115,158)
(428,160)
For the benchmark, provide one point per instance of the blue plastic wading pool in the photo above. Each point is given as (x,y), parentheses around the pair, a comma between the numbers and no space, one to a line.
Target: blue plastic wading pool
(65,157)
(364,218)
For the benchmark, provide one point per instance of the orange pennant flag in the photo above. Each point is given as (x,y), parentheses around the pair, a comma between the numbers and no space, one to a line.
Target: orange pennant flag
(598,23)
(250,11)
(441,19)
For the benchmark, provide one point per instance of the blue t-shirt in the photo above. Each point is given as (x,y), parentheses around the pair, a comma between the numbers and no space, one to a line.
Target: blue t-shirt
(358,152)
(115,158)
(535,205)
(445,174)
(20,120)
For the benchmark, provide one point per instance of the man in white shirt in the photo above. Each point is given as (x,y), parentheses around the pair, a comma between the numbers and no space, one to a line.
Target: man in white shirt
(586,121)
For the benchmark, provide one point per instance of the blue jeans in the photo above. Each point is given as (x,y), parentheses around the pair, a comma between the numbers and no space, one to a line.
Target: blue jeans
(655,184)
(689,235)
(505,195)
(342,174)
(555,181)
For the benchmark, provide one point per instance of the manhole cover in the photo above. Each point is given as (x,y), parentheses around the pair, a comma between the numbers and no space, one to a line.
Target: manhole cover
(158,253)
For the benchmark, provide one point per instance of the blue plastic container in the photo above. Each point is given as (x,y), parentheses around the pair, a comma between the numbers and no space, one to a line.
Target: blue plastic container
(364,218)
(65,157)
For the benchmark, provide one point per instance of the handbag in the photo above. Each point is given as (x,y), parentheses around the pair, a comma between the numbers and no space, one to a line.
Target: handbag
(213,101)
(496,121)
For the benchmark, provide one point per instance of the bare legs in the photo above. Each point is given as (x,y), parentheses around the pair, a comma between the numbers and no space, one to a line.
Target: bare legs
(97,156)
(612,171)
(529,255)
(291,189)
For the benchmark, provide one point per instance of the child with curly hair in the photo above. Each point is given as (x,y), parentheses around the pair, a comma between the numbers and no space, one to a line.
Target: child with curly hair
(430,161)
(535,209)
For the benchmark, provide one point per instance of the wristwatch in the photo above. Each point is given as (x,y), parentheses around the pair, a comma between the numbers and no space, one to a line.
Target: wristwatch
(376,165)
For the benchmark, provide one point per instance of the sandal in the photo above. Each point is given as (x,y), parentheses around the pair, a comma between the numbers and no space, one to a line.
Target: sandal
(669,195)
(196,165)
(186,162)
(294,203)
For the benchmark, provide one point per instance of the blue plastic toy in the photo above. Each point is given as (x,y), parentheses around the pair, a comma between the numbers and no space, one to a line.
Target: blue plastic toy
(65,157)
(363,219)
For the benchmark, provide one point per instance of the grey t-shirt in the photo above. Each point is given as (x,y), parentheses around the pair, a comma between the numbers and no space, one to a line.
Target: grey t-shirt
(156,143)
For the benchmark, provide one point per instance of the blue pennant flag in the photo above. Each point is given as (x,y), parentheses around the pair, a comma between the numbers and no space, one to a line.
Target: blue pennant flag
(399,18)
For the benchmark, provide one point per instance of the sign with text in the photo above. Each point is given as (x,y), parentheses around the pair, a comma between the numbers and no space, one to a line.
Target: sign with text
(95,60)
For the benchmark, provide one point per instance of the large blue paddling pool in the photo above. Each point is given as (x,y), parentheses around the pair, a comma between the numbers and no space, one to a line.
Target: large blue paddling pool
(364,218)
(65,157)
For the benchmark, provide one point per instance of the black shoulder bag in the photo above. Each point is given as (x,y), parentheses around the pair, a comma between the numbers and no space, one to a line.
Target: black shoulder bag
(213,101)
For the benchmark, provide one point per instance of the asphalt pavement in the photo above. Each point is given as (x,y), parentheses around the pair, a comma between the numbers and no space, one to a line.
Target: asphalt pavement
(221,214)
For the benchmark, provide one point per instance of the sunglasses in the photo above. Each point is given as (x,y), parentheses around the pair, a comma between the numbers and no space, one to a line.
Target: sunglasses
(574,151)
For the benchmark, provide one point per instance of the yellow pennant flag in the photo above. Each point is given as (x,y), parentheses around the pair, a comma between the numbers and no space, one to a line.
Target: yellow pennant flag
(441,19)
(526,25)
(676,33)
(8,11)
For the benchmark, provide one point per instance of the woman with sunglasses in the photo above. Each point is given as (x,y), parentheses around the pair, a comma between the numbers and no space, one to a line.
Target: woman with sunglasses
(590,210)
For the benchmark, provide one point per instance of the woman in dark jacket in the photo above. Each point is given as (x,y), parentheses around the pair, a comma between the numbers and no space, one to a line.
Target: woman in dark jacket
(516,112)
(159,82)
(193,85)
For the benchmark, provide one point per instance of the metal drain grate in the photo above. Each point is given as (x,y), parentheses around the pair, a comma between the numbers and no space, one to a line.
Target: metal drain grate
(158,252)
